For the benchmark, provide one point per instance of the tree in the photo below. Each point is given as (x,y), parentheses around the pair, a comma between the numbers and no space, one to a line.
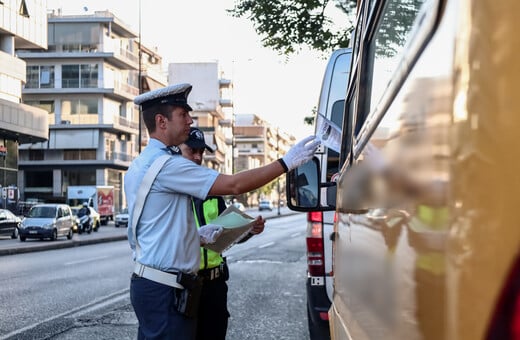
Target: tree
(286,25)
(309,120)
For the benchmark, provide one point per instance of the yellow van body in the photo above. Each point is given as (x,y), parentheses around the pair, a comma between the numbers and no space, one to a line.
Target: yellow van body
(427,228)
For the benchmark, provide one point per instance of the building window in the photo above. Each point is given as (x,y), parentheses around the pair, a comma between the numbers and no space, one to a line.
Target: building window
(47,105)
(80,76)
(39,77)
(79,106)
(79,154)
(36,155)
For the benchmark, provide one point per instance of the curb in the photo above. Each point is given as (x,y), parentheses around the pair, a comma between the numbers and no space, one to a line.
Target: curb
(61,245)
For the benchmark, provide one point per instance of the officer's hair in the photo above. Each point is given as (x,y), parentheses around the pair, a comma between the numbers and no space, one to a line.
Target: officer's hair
(150,113)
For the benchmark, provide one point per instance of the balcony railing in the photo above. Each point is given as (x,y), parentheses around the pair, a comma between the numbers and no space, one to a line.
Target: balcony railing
(67,119)
(118,156)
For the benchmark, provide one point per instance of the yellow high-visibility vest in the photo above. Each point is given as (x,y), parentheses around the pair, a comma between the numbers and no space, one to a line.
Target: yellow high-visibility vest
(210,211)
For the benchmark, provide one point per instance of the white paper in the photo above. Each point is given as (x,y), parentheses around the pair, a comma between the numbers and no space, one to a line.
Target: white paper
(328,133)
(236,226)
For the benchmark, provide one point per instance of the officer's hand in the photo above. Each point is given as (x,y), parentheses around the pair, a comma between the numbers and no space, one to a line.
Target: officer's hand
(209,233)
(301,153)
(258,226)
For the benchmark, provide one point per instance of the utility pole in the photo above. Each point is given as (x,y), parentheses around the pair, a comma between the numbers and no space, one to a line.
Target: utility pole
(278,156)
(140,75)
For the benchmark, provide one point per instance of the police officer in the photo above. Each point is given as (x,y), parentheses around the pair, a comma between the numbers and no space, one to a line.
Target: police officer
(212,317)
(165,240)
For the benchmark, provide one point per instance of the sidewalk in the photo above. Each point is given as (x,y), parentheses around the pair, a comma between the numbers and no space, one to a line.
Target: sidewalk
(107,233)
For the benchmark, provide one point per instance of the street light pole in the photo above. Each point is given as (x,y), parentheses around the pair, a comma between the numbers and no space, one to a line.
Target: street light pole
(278,156)
(140,74)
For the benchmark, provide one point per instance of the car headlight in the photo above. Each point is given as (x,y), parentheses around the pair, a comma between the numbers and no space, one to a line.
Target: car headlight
(48,226)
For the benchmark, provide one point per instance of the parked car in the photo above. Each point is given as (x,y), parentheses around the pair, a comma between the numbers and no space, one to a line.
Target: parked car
(94,215)
(265,205)
(121,219)
(9,223)
(47,221)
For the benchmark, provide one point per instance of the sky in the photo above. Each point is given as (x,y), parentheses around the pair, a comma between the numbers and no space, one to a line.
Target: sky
(280,90)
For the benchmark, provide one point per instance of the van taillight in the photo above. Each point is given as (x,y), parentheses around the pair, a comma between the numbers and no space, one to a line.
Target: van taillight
(315,253)
(505,324)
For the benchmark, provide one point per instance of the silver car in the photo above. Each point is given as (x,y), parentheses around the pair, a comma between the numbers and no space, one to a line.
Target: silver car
(47,221)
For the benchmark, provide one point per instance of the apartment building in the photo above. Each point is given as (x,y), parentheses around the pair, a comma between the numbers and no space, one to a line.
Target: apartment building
(23,24)
(86,80)
(258,143)
(211,100)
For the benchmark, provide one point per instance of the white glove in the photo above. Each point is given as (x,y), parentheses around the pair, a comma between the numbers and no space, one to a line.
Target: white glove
(209,233)
(301,153)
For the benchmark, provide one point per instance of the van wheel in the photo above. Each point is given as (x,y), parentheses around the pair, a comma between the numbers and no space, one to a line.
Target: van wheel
(69,235)
(54,236)
(14,235)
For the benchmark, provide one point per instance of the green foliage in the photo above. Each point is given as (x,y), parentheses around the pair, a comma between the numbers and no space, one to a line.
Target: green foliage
(286,25)
(309,120)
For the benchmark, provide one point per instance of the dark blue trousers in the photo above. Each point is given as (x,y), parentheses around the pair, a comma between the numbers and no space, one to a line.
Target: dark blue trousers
(154,306)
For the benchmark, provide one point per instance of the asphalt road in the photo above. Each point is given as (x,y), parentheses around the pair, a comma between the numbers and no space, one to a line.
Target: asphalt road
(82,292)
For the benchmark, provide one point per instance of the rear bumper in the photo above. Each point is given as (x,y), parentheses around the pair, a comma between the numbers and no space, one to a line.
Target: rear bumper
(318,303)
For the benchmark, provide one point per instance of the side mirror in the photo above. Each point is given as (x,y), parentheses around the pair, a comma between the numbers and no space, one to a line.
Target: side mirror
(303,187)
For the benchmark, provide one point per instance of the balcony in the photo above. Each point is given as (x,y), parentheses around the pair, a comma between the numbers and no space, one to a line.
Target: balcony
(111,52)
(119,91)
(24,123)
(226,102)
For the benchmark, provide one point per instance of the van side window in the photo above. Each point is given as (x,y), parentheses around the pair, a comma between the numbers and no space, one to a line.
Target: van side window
(336,116)
(388,41)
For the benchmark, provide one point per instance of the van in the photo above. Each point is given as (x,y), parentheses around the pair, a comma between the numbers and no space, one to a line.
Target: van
(426,239)
(320,224)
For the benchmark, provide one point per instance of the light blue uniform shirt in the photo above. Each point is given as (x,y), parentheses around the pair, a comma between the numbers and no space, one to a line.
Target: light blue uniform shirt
(167,233)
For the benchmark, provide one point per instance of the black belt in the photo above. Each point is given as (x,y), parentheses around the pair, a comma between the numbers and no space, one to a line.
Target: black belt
(212,273)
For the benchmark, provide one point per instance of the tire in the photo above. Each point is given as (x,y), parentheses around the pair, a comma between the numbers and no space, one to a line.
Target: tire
(22,238)
(96,227)
(54,236)
(317,331)
(14,235)
(116,225)
(69,234)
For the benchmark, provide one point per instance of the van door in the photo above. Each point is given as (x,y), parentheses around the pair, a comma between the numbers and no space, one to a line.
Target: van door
(379,293)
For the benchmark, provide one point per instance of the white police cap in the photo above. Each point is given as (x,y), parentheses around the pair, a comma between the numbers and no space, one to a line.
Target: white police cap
(176,95)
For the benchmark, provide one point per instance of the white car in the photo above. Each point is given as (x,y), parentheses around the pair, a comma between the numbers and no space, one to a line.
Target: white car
(121,219)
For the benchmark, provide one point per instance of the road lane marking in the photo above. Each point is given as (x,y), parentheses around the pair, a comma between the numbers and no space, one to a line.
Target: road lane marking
(266,245)
(86,260)
(295,234)
(74,310)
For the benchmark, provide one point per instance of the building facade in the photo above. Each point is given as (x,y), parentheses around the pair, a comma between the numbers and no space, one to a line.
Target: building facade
(86,80)
(23,24)
(211,100)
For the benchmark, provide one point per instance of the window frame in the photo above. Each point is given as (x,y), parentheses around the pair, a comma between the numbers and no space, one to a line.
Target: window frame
(359,90)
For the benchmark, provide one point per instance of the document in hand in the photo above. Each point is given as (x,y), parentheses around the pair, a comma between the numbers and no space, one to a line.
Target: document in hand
(236,226)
